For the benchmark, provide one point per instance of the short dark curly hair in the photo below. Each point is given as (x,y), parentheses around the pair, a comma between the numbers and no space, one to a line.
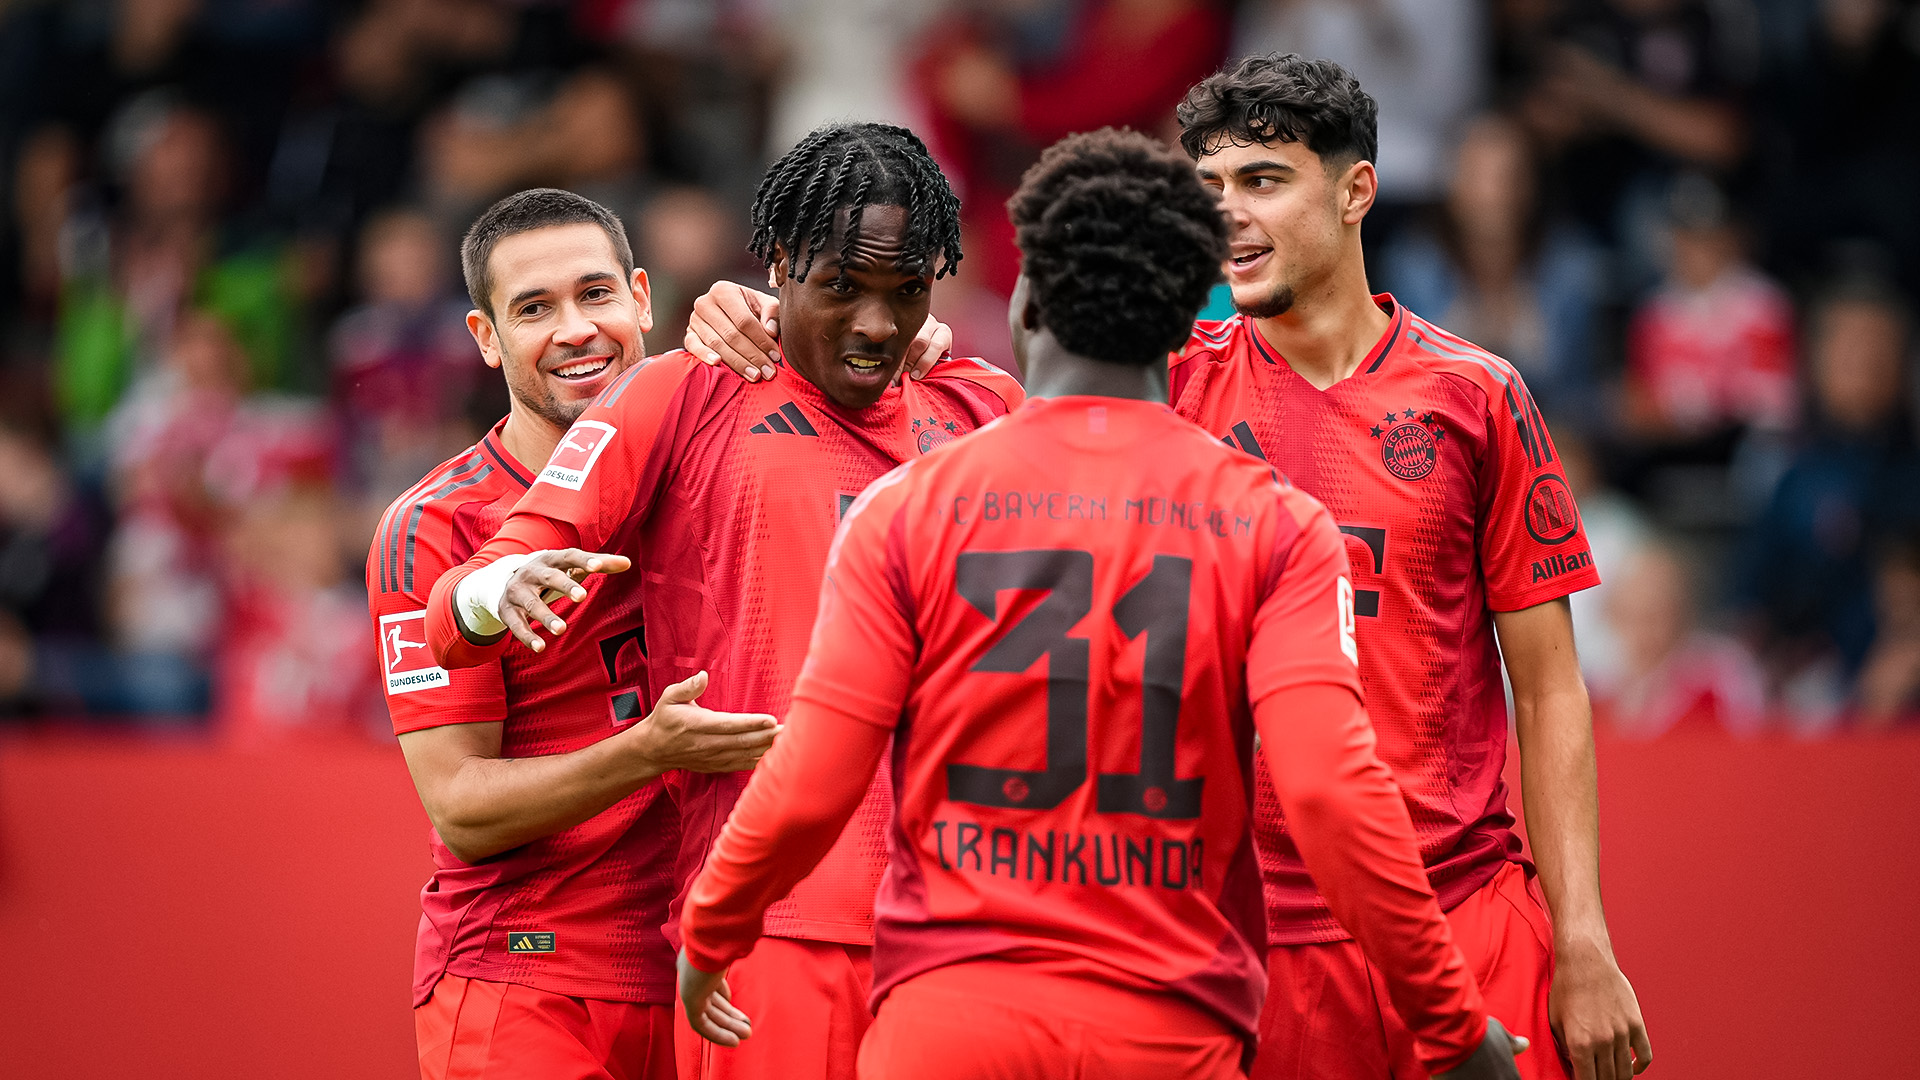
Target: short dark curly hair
(1282,97)
(851,167)
(525,211)
(1121,244)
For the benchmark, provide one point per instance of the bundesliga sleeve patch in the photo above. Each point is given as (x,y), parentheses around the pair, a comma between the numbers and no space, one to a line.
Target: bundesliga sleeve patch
(573,459)
(404,653)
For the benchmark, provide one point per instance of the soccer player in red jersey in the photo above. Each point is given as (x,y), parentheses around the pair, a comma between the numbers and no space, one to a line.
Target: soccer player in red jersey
(540,948)
(1430,454)
(1067,628)
(726,493)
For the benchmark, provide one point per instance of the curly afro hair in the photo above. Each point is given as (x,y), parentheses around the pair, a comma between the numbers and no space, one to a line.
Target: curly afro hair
(1121,244)
(1282,97)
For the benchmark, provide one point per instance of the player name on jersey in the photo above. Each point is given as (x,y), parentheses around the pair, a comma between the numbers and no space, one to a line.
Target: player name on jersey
(1105,860)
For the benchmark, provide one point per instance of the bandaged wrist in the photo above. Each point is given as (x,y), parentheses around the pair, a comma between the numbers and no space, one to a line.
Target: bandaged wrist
(476,600)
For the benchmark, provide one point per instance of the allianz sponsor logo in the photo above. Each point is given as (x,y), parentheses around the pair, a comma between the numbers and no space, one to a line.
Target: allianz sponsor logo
(1554,565)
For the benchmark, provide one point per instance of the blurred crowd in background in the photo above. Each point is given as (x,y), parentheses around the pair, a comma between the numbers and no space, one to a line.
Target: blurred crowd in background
(232,326)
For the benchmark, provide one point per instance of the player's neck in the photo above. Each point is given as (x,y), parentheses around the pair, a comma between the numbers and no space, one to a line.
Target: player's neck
(528,438)
(1330,329)
(1055,371)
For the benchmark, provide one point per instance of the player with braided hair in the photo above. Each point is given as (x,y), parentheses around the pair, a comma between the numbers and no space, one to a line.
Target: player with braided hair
(1038,921)
(726,493)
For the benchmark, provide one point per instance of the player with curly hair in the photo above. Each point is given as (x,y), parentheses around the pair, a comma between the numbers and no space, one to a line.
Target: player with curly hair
(1067,628)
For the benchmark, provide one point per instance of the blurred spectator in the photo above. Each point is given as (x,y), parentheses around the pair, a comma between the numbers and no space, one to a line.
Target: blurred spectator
(1616,532)
(1673,674)
(686,240)
(1888,691)
(1423,61)
(1853,481)
(130,276)
(1849,119)
(296,656)
(1003,79)
(1713,349)
(816,85)
(502,133)
(1494,268)
(52,536)
(405,371)
(1626,90)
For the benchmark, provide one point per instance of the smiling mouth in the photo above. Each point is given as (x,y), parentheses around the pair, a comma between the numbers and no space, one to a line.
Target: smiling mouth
(866,363)
(582,369)
(1251,257)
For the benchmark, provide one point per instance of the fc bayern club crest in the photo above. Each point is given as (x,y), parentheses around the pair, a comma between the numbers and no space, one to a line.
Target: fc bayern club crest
(931,431)
(1409,443)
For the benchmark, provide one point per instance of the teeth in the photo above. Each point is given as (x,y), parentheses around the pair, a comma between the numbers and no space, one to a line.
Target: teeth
(572,370)
(863,365)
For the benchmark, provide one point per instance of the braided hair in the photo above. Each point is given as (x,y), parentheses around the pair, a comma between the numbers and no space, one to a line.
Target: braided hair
(1121,244)
(851,167)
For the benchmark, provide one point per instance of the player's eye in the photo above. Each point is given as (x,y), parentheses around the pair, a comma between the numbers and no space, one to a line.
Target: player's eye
(533,311)
(599,292)
(913,288)
(841,286)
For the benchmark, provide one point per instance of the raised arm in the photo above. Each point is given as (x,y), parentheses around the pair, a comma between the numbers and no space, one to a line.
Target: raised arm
(1591,1004)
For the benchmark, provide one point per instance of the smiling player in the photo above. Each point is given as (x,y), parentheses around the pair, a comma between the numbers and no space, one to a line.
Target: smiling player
(539,947)
(725,494)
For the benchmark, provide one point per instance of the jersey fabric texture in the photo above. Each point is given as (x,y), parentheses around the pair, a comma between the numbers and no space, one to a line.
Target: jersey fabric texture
(1437,467)
(727,494)
(1102,818)
(578,912)
(808,1001)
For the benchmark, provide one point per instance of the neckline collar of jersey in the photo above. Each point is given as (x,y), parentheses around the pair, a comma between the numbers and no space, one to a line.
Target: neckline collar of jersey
(876,414)
(1376,356)
(490,442)
(1119,404)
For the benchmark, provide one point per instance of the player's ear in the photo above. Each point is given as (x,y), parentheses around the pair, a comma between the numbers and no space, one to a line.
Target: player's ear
(643,296)
(1359,185)
(777,271)
(485,336)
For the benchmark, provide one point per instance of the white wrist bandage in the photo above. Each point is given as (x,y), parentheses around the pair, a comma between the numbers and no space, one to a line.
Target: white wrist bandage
(476,600)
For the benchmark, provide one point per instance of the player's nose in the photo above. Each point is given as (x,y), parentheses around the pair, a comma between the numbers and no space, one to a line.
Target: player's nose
(874,321)
(574,327)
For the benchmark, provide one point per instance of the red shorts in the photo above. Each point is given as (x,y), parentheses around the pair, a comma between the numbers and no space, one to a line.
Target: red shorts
(1327,1014)
(997,1020)
(475,1030)
(808,1004)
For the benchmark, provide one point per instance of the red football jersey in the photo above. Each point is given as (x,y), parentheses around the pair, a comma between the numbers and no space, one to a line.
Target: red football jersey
(579,912)
(727,494)
(1437,466)
(1079,611)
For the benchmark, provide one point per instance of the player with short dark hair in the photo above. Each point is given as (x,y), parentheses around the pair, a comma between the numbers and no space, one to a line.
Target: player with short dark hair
(1068,628)
(726,493)
(554,843)
(1431,455)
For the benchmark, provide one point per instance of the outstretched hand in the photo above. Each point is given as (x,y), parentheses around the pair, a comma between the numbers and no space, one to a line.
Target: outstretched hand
(710,1009)
(1493,1060)
(683,735)
(545,579)
(740,328)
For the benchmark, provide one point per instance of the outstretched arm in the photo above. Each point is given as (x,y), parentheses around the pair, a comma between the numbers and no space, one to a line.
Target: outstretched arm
(1593,1007)
(483,804)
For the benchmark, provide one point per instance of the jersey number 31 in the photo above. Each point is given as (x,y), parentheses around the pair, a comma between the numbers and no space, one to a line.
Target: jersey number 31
(1157,606)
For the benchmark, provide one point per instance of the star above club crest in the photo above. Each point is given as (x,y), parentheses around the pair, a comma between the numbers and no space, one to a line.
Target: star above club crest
(1374,431)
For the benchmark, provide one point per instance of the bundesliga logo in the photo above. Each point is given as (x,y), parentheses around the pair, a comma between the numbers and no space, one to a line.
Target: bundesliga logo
(403,649)
(573,459)
(1409,447)
(932,432)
